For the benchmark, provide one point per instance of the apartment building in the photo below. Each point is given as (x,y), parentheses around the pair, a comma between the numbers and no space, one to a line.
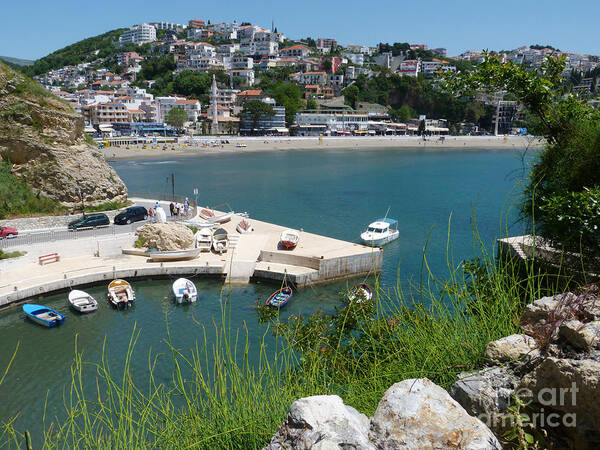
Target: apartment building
(169,26)
(110,112)
(410,67)
(196,24)
(138,34)
(295,51)
(166,104)
(129,58)
(355,58)
(310,78)
(274,124)
(325,44)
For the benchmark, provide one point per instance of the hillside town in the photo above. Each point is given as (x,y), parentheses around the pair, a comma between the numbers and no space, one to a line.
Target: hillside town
(116,97)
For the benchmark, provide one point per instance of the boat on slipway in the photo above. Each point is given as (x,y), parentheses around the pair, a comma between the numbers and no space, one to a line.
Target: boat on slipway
(220,241)
(244,227)
(43,316)
(289,239)
(213,216)
(203,239)
(174,255)
(82,301)
(184,290)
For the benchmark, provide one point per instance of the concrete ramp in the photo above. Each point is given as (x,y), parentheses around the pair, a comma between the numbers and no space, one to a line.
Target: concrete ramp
(240,271)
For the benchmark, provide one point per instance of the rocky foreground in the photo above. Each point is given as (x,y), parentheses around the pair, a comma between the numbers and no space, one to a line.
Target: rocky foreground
(553,368)
(44,140)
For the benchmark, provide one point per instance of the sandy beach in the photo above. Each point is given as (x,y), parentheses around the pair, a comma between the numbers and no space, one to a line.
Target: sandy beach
(205,145)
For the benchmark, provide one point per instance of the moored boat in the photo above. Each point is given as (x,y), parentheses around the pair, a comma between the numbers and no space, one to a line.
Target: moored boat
(120,294)
(380,232)
(360,292)
(82,301)
(42,315)
(174,255)
(280,298)
(244,227)
(213,216)
(220,241)
(203,238)
(184,290)
(289,239)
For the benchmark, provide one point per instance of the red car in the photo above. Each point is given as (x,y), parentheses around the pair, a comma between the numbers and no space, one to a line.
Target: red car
(8,232)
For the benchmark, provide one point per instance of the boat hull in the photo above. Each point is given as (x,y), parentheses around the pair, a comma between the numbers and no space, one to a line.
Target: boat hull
(280,298)
(367,239)
(175,255)
(82,302)
(36,314)
(184,291)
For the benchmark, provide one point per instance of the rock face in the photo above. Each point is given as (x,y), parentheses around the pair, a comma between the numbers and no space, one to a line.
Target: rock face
(166,236)
(43,137)
(413,414)
(557,374)
(419,414)
(322,422)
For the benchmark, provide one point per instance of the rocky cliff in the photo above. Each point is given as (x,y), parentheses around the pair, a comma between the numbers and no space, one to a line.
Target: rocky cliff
(43,137)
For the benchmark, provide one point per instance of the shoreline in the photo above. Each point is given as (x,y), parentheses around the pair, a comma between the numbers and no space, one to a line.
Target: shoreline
(201,145)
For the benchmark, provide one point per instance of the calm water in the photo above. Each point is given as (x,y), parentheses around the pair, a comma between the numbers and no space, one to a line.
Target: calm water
(335,193)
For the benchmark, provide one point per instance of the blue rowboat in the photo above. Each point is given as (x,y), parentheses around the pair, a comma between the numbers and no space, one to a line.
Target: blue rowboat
(279,298)
(44,316)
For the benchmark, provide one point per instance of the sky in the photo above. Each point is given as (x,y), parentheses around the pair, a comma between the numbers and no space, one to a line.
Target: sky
(32,29)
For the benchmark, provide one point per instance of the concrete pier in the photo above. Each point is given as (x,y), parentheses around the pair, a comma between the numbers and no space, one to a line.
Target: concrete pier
(255,255)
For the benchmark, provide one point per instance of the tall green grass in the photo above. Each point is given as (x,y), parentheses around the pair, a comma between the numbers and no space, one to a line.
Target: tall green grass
(219,398)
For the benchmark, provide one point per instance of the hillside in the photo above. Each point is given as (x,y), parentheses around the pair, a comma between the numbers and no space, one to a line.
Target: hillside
(89,49)
(16,61)
(43,144)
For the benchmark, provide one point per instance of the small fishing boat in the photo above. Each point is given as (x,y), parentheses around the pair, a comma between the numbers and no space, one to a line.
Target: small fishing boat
(360,292)
(82,301)
(289,239)
(120,294)
(280,298)
(203,238)
(184,290)
(43,316)
(174,255)
(244,227)
(220,241)
(380,232)
(213,216)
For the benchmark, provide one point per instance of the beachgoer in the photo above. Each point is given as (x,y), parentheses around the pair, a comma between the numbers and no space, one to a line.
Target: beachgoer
(157,204)
(151,214)
(172,209)
(187,204)
(181,209)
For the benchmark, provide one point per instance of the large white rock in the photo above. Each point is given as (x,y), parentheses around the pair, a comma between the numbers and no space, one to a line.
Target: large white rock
(581,336)
(510,348)
(166,236)
(418,414)
(322,422)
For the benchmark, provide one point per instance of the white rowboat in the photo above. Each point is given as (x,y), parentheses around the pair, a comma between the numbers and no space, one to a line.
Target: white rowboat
(82,301)
(184,290)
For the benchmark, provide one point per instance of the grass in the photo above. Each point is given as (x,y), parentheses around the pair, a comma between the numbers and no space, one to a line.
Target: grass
(218,398)
(17,199)
(7,255)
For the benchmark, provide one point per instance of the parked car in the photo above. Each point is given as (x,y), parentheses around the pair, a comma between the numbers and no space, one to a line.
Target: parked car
(131,214)
(89,221)
(8,232)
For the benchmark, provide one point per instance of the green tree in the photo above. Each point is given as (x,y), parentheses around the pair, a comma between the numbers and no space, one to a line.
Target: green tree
(402,114)
(256,110)
(288,95)
(422,128)
(176,117)
(351,94)
(311,104)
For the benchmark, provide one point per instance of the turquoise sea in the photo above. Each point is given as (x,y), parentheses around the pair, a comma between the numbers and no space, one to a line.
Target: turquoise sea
(438,198)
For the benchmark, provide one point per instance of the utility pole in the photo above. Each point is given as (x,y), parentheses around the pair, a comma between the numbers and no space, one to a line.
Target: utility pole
(173,185)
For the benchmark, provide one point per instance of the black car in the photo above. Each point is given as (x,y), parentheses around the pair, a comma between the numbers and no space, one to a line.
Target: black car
(89,221)
(131,214)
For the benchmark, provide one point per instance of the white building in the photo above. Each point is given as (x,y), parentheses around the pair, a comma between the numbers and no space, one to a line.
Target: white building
(171,26)
(355,58)
(138,34)
(266,48)
(334,121)
(410,67)
(238,62)
(361,49)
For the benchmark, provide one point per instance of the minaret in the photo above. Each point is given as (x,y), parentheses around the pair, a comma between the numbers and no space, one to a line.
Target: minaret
(213,105)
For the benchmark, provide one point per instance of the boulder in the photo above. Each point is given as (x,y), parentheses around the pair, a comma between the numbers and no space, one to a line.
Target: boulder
(322,422)
(486,394)
(581,336)
(166,236)
(418,414)
(510,348)
(544,312)
(570,387)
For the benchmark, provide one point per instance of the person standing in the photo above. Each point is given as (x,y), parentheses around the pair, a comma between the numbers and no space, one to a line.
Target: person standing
(187,205)
(172,209)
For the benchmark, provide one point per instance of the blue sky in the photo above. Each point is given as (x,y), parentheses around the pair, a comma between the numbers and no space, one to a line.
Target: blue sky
(31,29)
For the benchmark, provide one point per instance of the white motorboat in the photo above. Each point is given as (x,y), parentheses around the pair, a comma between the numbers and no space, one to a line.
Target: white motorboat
(184,290)
(244,227)
(220,241)
(203,238)
(120,294)
(174,255)
(82,301)
(380,232)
